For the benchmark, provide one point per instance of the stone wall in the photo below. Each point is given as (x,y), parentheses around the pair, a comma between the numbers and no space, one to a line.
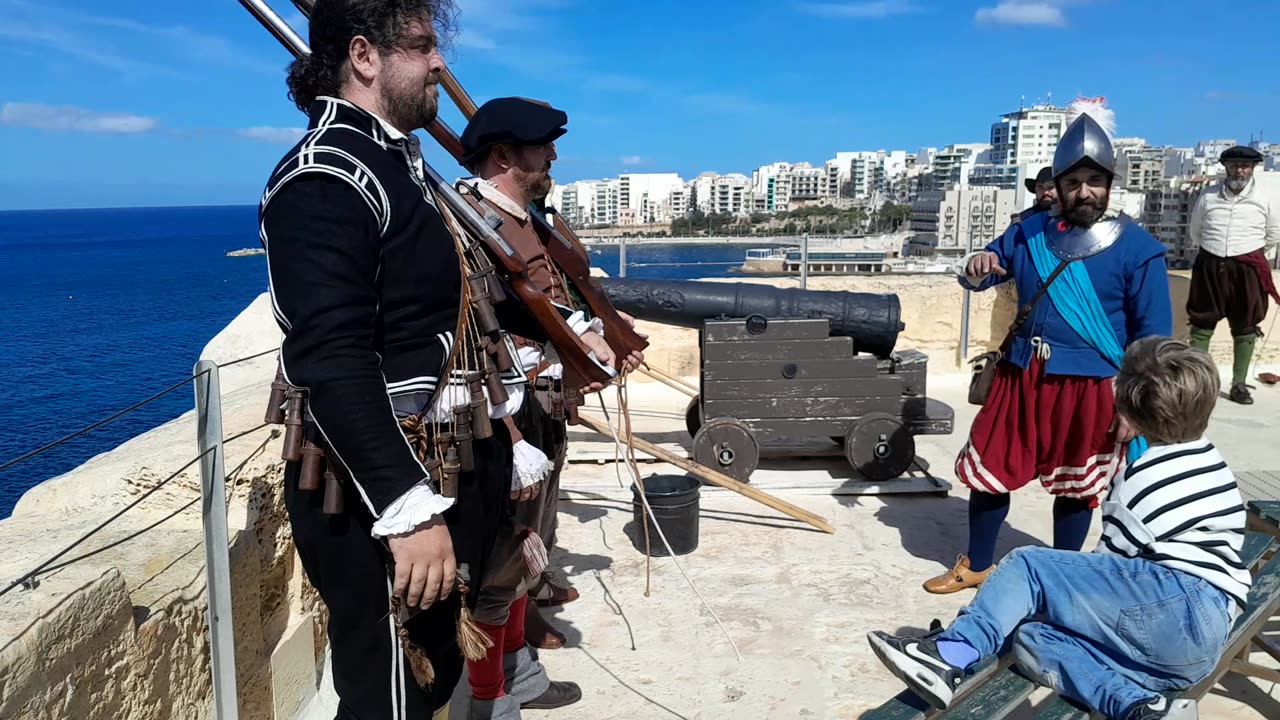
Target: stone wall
(116,629)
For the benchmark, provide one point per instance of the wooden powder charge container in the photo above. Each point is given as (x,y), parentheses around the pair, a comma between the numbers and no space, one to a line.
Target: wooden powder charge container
(481,429)
(275,403)
(482,305)
(333,503)
(572,399)
(292,450)
(449,484)
(444,443)
(312,461)
(557,406)
(462,437)
(493,381)
(497,349)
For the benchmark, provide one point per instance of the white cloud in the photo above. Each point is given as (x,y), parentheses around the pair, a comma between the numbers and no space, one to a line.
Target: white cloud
(1017,12)
(89,36)
(282,135)
(632,160)
(73,119)
(877,9)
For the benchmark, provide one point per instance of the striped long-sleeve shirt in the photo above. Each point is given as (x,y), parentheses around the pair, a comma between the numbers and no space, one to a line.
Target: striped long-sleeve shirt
(1179,506)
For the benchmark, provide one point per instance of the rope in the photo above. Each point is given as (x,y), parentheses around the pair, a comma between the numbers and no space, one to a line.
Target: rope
(30,575)
(98,424)
(635,473)
(125,411)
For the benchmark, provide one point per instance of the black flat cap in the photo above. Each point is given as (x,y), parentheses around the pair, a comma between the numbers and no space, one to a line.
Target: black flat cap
(514,120)
(1045,175)
(1240,153)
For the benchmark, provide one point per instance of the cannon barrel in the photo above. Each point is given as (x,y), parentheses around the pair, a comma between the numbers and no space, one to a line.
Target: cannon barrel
(871,319)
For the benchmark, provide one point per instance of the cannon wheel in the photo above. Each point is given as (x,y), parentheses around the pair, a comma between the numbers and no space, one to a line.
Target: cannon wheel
(879,447)
(693,415)
(727,445)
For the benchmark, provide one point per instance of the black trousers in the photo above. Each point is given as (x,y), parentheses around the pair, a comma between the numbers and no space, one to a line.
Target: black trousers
(351,570)
(1225,288)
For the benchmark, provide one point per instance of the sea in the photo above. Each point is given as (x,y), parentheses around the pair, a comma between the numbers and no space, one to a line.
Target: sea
(103,309)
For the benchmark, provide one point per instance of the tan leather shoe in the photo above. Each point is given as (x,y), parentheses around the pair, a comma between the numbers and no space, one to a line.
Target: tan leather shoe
(957,578)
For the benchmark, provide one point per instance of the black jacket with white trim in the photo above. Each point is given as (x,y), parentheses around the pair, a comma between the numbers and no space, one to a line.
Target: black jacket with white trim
(365,284)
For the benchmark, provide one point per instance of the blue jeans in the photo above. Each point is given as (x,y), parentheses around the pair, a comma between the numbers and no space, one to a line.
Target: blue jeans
(1103,630)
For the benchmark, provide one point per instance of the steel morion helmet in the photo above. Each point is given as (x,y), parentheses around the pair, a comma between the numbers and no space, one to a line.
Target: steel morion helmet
(1087,138)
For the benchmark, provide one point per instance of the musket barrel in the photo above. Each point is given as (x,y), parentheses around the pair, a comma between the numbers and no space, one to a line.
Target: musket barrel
(873,320)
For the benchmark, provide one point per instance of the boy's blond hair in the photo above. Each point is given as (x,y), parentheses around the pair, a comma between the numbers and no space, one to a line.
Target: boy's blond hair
(1167,390)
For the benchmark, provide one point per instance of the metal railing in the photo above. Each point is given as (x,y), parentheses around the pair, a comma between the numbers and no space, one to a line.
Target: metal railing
(214,500)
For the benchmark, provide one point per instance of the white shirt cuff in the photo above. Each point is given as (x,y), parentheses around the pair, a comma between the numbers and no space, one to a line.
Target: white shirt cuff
(530,466)
(579,323)
(963,265)
(416,506)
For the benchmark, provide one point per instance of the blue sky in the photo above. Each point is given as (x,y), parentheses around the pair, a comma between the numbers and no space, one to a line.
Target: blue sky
(137,102)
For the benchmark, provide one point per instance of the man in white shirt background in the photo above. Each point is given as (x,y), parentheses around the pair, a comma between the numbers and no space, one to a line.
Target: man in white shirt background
(1236,225)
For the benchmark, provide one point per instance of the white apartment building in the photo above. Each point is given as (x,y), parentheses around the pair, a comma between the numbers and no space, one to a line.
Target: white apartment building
(952,221)
(728,195)
(771,187)
(678,201)
(1022,142)
(955,163)
(1141,166)
(645,196)
(721,194)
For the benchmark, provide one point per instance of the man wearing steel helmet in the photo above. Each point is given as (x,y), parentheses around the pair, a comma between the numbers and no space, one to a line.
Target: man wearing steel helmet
(1050,411)
(1236,225)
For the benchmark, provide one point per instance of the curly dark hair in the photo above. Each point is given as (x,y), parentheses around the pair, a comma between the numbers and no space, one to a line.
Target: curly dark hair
(334,23)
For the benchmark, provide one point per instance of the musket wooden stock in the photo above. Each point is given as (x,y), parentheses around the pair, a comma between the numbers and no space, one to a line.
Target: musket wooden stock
(563,247)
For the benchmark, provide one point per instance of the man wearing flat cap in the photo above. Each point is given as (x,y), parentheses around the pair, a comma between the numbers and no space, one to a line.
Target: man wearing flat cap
(509,145)
(1236,224)
(1045,192)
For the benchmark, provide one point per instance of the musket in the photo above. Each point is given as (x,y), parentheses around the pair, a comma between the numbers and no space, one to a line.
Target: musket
(563,247)
(579,365)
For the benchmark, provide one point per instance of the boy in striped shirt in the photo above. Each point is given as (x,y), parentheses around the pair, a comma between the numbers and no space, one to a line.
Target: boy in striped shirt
(1149,610)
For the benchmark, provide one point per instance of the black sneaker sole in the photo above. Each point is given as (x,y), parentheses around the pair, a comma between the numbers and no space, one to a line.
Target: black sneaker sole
(922,681)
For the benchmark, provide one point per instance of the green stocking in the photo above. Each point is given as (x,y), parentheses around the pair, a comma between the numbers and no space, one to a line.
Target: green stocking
(1243,354)
(1200,338)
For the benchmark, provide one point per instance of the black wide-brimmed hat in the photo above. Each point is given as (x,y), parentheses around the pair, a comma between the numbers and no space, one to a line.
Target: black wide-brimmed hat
(1045,175)
(1240,153)
(514,120)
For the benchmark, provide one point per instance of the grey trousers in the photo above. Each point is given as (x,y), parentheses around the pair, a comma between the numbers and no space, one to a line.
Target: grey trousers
(507,578)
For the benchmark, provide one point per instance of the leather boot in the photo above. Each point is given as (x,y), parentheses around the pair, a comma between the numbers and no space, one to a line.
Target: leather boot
(557,695)
(538,632)
(957,578)
(1240,394)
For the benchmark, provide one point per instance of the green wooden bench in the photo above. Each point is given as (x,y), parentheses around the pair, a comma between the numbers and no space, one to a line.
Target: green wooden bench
(1004,688)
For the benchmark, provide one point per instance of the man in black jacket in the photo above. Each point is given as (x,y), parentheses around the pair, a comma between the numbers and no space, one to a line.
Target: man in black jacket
(366,286)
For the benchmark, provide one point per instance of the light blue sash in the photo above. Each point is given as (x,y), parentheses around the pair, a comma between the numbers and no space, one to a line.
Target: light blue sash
(1077,302)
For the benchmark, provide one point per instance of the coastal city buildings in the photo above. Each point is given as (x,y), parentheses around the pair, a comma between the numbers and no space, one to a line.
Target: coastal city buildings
(953,192)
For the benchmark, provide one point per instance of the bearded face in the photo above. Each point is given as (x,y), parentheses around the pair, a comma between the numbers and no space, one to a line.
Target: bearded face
(409,79)
(1238,175)
(1084,194)
(532,169)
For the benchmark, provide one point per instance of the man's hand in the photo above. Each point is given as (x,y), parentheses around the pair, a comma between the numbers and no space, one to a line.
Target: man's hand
(1123,430)
(527,494)
(983,265)
(635,358)
(595,343)
(424,564)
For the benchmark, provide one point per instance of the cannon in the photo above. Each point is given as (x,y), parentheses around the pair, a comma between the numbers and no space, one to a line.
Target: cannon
(786,364)
(871,319)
